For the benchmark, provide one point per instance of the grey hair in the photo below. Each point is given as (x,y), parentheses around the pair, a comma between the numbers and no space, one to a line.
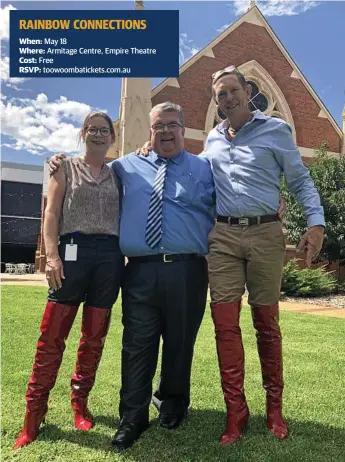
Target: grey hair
(167,106)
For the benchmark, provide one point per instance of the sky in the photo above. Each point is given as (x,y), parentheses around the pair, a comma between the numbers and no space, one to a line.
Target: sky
(41,116)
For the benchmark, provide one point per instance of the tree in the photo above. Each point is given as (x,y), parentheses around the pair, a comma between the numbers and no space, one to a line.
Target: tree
(328,174)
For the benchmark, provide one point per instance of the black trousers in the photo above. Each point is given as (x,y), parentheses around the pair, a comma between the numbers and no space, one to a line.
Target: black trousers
(95,277)
(160,300)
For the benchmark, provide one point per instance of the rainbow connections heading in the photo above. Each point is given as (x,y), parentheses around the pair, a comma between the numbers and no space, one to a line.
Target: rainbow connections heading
(82,24)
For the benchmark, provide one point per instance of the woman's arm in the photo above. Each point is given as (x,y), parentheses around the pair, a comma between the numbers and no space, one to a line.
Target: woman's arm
(55,196)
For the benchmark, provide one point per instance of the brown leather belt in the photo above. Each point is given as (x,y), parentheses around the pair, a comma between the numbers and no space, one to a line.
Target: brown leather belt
(247,221)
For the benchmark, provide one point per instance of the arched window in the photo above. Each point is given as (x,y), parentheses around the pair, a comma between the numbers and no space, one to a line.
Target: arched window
(257,100)
(219,117)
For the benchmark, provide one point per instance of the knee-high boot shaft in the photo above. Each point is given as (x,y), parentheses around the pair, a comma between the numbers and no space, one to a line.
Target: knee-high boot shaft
(55,327)
(95,325)
(269,342)
(226,318)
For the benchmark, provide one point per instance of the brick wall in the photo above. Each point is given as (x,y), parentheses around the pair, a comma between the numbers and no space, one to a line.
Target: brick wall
(194,146)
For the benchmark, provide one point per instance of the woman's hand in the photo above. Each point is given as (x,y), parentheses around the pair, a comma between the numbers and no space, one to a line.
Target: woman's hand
(54,273)
(144,150)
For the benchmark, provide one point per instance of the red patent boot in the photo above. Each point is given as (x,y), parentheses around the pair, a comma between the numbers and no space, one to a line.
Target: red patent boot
(269,341)
(95,327)
(226,318)
(32,422)
(55,327)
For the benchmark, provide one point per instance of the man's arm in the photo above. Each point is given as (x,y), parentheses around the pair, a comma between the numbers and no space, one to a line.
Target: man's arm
(302,186)
(297,176)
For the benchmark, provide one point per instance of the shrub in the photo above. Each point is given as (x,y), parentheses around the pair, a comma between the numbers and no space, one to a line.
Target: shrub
(328,174)
(308,282)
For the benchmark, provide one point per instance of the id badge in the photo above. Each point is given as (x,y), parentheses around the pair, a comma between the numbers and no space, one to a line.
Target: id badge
(71,252)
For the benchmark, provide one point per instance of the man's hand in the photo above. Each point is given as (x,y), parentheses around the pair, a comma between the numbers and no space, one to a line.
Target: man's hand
(144,150)
(311,244)
(282,208)
(54,163)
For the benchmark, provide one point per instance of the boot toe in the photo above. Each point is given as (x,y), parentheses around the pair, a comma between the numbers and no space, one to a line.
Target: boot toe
(227,439)
(23,440)
(82,423)
(280,432)
(276,423)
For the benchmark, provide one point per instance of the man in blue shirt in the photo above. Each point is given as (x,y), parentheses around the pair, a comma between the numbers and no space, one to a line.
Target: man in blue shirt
(248,153)
(167,214)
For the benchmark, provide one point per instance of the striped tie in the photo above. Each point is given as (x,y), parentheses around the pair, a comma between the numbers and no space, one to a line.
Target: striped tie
(154,219)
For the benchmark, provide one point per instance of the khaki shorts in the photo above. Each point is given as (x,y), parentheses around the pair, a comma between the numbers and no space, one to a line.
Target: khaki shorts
(251,256)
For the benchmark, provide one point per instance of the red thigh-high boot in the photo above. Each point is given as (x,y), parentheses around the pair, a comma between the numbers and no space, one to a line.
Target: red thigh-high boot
(226,317)
(95,327)
(55,327)
(269,340)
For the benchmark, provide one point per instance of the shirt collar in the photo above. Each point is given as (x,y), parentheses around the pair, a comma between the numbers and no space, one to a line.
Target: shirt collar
(176,160)
(257,115)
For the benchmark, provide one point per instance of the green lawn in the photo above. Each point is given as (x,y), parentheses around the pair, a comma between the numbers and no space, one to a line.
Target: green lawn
(314,358)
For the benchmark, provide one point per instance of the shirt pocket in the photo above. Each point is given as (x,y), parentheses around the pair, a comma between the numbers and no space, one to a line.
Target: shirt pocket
(192,190)
(259,157)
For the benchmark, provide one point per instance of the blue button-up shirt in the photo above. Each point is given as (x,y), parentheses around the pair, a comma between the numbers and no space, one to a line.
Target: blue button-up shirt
(188,203)
(247,170)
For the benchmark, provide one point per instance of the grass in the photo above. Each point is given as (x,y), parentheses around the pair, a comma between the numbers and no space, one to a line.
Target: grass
(314,395)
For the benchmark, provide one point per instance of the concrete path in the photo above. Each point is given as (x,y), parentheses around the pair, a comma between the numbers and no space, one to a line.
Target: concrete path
(37,279)
(313,309)
(40,280)
(308,308)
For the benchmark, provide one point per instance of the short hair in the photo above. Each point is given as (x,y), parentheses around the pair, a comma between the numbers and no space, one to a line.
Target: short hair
(230,70)
(168,106)
(90,115)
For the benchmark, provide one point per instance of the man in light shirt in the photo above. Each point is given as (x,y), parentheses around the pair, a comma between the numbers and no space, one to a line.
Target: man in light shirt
(248,153)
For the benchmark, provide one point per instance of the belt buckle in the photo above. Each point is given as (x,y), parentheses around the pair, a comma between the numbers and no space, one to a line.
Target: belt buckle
(165,258)
(243,221)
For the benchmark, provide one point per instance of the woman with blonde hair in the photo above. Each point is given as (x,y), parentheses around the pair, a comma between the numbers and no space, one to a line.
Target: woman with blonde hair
(84,265)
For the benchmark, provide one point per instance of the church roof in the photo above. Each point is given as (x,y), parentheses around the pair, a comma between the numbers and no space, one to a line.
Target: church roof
(253,16)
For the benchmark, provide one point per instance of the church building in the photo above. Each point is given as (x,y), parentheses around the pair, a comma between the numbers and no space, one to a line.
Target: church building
(279,90)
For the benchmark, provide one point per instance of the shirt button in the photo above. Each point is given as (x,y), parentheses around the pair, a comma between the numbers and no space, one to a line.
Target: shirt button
(162,248)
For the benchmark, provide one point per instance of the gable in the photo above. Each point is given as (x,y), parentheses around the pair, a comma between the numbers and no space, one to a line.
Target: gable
(251,39)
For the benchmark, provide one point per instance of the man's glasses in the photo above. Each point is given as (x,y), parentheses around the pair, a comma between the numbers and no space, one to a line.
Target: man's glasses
(172,126)
(227,70)
(103,131)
